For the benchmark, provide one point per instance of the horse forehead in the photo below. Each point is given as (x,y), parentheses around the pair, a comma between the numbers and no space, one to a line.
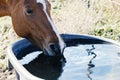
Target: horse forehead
(41,1)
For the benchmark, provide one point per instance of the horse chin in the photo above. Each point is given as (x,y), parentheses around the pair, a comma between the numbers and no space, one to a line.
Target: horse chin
(48,52)
(52,56)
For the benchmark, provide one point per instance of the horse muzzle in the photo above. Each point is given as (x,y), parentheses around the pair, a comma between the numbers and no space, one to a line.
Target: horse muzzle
(53,50)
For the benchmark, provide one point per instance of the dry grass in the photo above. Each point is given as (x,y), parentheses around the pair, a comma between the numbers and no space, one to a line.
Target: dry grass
(102,18)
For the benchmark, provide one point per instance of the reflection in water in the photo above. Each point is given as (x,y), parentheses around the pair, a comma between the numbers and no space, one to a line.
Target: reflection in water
(91,52)
(103,65)
(119,54)
(90,64)
(45,67)
(89,69)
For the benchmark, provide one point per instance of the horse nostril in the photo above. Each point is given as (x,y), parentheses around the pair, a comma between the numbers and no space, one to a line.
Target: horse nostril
(55,47)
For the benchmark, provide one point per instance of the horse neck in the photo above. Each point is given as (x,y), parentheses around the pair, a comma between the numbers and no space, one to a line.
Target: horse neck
(6,7)
(3,8)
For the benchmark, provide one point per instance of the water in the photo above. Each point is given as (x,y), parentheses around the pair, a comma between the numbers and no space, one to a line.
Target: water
(84,62)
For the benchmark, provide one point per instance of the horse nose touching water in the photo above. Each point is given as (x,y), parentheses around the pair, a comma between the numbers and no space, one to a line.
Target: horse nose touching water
(31,19)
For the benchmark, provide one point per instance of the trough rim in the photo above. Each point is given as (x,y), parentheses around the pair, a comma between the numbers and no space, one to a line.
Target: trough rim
(18,67)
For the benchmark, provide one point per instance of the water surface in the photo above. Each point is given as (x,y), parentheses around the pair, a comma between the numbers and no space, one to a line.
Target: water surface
(84,62)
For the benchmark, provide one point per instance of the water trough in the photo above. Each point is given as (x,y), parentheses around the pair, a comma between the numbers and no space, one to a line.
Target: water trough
(88,58)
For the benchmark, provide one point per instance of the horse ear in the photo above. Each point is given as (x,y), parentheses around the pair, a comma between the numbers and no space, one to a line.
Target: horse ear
(4,11)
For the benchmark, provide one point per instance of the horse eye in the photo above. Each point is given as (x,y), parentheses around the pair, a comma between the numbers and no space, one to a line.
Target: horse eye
(29,11)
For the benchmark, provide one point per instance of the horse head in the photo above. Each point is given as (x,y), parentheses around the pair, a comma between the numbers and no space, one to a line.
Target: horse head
(31,19)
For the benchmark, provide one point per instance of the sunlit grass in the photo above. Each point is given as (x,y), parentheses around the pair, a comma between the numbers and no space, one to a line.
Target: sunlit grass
(95,17)
(7,36)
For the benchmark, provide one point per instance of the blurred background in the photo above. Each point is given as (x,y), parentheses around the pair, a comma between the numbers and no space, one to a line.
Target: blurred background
(93,17)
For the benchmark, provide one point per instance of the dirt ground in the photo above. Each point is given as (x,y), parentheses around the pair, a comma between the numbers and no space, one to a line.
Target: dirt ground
(5,74)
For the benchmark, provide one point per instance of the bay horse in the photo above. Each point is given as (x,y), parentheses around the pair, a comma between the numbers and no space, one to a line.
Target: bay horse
(31,19)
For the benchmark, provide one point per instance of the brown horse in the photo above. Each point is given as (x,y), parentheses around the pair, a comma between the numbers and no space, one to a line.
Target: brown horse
(31,19)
